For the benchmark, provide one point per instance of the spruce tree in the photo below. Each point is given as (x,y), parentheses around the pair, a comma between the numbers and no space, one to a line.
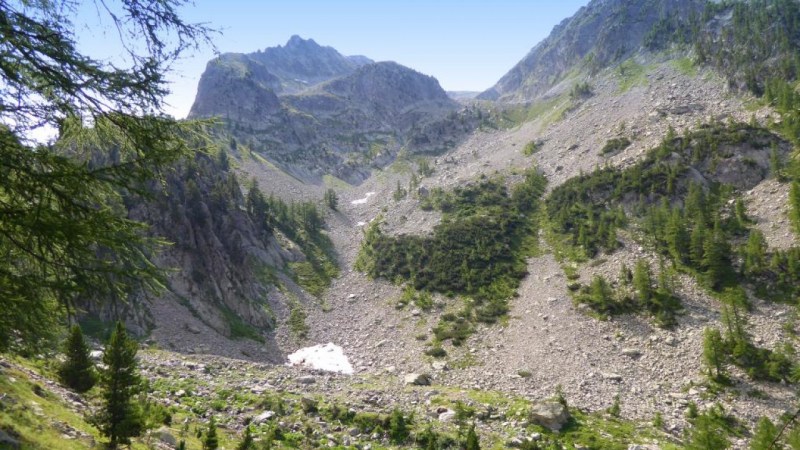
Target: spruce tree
(765,434)
(794,206)
(120,418)
(64,228)
(77,372)
(331,199)
(707,434)
(697,240)
(247,440)
(398,428)
(472,442)
(715,258)
(211,441)
(643,282)
(714,353)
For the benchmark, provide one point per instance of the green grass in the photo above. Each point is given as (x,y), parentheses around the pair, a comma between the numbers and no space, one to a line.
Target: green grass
(238,328)
(297,321)
(685,66)
(631,74)
(333,182)
(309,278)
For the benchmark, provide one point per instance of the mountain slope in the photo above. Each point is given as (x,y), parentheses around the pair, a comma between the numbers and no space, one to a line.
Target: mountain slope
(600,33)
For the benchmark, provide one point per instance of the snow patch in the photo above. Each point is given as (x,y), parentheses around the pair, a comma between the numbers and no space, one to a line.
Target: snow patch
(328,357)
(362,201)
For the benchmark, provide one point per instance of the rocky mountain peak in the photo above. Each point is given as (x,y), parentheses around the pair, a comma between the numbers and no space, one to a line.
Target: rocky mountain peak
(298,42)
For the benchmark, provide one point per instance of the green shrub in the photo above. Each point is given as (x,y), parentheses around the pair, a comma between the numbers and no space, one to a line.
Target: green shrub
(615,145)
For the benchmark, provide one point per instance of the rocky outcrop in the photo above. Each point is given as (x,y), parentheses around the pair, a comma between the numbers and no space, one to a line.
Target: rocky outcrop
(549,414)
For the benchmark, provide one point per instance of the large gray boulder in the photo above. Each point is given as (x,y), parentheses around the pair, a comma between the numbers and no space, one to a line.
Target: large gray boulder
(418,379)
(550,414)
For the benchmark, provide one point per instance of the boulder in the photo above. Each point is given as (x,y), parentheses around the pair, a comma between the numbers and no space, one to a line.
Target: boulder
(306,379)
(164,435)
(549,414)
(263,417)
(447,416)
(8,441)
(418,379)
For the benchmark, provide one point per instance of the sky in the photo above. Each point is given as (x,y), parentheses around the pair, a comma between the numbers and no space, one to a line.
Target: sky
(466,44)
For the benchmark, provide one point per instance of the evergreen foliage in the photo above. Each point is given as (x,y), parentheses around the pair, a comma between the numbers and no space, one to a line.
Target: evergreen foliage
(120,418)
(331,199)
(764,436)
(478,250)
(757,43)
(398,428)
(248,443)
(63,230)
(78,371)
(211,440)
(615,145)
(471,442)
(304,224)
(714,354)
(654,297)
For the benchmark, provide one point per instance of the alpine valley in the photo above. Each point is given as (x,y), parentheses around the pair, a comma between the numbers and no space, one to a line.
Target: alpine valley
(598,252)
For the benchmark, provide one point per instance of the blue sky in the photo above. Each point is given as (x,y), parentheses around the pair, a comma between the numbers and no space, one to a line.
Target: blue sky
(465,44)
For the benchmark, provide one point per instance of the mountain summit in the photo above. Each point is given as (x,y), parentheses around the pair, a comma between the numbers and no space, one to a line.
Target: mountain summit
(313,111)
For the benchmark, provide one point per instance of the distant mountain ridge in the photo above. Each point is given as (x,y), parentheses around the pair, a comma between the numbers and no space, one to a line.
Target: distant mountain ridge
(313,111)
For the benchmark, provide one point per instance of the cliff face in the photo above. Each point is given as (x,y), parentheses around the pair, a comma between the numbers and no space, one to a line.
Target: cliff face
(600,33)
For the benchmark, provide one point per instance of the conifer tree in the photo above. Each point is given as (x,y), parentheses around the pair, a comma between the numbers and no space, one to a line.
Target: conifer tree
(714,353)
(398,429)
(707,435)
(676,236)
(643,282)
(78,371)
(331,199)
(715,254)
(794,206)
(755,253)
(472,442)
(64,231)
(247,440)
(765,434)
(211,441)
(697,240)
(120,418)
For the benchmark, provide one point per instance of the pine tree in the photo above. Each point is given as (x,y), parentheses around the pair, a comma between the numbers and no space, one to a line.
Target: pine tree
(64,229)
(398,429)
(78,371)
(643,282)
(472,442)
(331,199)
(755,253)
(794,206)
(697,240)
(714,353)
(715,258)
(247,440)
(676,236)
(766,432)
(707,435)
(211,441)
(120,418)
